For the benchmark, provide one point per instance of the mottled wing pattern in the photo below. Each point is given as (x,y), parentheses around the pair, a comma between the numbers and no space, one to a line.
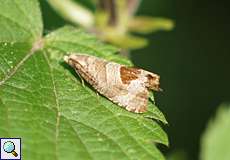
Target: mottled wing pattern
(133,101)
(123,85)
(139,102)
(86,67)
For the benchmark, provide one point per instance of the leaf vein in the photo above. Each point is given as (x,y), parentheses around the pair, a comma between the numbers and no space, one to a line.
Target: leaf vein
(101,134)
(58,114)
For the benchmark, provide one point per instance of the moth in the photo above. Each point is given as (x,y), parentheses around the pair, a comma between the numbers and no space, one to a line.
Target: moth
(126,86)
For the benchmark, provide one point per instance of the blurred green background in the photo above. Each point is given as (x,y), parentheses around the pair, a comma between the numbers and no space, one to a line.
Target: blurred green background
(193,61)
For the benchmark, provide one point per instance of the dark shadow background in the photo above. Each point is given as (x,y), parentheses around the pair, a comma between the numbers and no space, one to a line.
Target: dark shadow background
(193,61)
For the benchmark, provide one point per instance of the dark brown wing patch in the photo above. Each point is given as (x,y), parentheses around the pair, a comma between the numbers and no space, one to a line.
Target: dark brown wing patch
(153,82)
(128,74)
(151,78)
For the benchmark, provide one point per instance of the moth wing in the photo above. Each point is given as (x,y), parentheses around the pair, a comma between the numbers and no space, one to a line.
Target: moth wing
(138,102)
(132,101)
(113,91)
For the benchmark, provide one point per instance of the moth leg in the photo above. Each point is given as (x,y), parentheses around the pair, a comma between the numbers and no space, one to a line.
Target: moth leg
(151,97)
(97,95)
(82,80)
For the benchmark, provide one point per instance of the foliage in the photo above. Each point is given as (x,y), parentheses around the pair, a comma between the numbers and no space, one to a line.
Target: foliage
(43,101)
(112,20)
(215,143)
(177,155)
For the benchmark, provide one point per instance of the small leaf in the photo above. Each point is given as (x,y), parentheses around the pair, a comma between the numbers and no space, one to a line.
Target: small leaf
(143,24)
(73,12)
(215,143)
(101,19)
(126,41)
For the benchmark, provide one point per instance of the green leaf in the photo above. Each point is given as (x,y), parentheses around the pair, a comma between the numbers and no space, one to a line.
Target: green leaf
(20,20)
(144,24)
(177,155)
(68,38)
(74,12)
(215,142)
(126,41)
(43,101)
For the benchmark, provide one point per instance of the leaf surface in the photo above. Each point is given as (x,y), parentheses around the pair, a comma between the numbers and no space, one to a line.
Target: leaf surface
(216,141)
(20,20)
(43,101)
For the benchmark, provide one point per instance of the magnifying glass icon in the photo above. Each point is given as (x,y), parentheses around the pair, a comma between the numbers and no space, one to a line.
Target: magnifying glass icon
(9,147)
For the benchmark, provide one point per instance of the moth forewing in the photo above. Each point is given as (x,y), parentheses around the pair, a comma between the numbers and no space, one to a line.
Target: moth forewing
(126,86)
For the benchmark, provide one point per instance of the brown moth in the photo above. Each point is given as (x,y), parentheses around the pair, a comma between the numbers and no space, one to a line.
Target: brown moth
(126,86)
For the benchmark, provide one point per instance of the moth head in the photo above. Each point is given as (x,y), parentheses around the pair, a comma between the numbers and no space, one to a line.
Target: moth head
(75,59)
(153,82)
(68,60)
